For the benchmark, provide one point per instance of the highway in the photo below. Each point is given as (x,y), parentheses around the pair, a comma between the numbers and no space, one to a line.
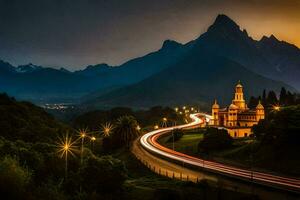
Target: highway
(150,144)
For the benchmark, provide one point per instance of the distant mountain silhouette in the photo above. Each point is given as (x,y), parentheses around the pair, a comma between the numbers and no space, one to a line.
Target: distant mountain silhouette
(223,41)
(41,84)
(269,57)
(197,79)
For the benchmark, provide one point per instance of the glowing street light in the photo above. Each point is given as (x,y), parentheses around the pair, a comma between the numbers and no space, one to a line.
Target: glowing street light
(82,135)
(93,139)
(156,127)
(138,128)
(276,108)
(164,123)
(184,107)
(106,129)
(65,147)
(176,109)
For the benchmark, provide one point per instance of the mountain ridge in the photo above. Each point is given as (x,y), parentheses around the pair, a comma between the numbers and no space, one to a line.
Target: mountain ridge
(269,57)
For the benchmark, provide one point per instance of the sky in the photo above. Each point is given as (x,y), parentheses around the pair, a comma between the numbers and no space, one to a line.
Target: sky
(77,33)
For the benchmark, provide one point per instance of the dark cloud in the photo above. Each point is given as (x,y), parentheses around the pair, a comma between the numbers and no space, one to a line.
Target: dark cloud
(74,33)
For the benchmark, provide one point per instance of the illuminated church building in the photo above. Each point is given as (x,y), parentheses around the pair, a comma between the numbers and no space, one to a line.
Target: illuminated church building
(237,118)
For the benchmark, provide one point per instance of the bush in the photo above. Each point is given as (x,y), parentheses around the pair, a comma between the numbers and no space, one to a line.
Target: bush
(14,179)
(177,133)
(215,139)
(102,175)
(281,128)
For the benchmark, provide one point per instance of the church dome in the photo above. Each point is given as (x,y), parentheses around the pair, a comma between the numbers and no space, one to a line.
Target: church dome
(233,107)
(259,106)
(216,105)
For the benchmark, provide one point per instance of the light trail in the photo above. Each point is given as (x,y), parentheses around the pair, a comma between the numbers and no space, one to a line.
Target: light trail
(149,142)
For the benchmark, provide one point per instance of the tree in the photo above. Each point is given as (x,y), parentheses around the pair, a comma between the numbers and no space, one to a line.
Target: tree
(14,179)
(290,98)
(272,98)
(264,98)
(215,139)
(280,128)
(126,130)
(283,96)
(253,102)
(102,174)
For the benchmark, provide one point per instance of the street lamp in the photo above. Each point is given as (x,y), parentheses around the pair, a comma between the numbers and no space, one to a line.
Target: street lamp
(156,127)
(176,109)
(276,108)
(165,122)
(93,139)
(65,147)
(138,128)
(106,129)
(82,134)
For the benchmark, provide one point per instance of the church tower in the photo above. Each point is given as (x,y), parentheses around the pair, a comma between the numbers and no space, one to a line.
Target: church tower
(215,113)
(260,111)
(239,97)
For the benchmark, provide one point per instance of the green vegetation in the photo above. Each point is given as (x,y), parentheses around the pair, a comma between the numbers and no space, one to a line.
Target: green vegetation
(276,138)
(34,170)
(24,121)
(215,139)
(269,100)
(126,130)
(146,118)
(188,143)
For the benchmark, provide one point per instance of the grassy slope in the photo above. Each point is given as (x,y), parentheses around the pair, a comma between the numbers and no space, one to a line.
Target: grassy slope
(239,154)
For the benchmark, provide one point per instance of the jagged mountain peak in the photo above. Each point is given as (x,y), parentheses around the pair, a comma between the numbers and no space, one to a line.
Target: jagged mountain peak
(224,22)
(28,68)
(5,66)
(101,65)
(271,39)
(170,44)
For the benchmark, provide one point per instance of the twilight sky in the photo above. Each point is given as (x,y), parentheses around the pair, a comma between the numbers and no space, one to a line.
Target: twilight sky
(76,33)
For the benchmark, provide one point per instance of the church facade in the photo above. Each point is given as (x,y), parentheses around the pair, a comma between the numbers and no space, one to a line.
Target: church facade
(237,118)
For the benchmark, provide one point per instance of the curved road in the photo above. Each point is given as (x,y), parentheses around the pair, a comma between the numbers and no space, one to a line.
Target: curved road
(149,142)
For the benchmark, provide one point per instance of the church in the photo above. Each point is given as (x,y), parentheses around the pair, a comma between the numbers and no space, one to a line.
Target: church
(237,118)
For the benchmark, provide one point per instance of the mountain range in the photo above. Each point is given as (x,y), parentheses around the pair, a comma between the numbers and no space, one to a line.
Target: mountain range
(196,72)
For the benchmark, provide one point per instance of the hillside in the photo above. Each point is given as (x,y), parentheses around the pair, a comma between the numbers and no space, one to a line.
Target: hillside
(27,122)
(197,79)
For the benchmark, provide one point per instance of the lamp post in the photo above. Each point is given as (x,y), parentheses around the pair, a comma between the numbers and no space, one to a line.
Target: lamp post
(82,136)
(66,146)
(93,139)
(165,122)
(173,136)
